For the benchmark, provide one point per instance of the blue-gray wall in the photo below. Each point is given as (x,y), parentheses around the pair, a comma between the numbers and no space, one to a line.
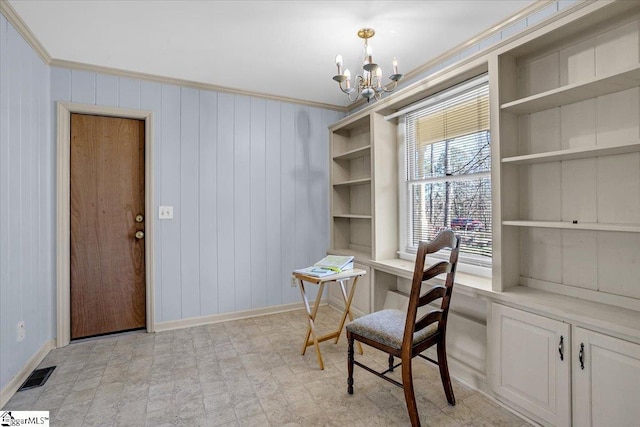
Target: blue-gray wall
(248,179)
(27,191)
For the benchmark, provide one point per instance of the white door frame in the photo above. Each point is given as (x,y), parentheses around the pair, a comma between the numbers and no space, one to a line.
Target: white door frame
(63,228)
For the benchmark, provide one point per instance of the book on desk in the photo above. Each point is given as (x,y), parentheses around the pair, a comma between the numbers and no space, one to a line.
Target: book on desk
(331,264)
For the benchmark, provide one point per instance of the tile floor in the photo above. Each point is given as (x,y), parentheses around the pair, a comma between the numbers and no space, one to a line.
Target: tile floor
(242,373)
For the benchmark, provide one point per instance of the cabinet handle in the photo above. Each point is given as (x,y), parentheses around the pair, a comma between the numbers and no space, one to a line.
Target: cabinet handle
(581,356)
(561,347)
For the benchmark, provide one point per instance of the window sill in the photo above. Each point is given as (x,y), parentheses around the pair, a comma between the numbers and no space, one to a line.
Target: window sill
(465,268)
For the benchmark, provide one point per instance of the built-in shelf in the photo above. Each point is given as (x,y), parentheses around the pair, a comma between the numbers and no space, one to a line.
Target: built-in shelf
(628,228)
(359,255)
(575,92)
(352,182)
(352,216)
(573,154)
(354,154)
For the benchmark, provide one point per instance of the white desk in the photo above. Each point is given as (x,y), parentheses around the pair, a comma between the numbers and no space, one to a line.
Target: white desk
(340,278)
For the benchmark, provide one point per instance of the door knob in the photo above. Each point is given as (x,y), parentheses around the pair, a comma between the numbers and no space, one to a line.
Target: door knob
(139,234)
(139,218)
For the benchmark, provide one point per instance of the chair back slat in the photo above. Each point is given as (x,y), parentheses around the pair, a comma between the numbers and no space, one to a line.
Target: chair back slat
(445,240)
(427,319)
(436,270)
(433,294)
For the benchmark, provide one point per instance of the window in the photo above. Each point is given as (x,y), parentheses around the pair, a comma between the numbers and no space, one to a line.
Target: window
(448,170)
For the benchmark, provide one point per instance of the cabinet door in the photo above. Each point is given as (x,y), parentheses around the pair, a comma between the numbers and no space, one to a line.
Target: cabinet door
(361,303)
(606,383)
(526,365)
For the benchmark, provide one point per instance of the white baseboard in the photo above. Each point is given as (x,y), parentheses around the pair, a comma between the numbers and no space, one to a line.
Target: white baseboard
(10,389)
(225,317)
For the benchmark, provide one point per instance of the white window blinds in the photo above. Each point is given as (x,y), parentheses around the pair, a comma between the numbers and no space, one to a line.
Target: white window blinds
(448,170)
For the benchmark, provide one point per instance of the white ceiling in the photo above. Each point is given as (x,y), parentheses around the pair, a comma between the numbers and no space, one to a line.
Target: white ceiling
(283,48)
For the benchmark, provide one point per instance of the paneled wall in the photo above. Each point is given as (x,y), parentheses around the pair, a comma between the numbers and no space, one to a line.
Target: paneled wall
(247,178)
(27,277)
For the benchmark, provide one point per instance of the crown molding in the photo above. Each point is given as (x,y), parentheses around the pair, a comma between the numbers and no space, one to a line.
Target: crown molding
(188,83)
(14,19)
(530,10)
(358,107)
(7,10)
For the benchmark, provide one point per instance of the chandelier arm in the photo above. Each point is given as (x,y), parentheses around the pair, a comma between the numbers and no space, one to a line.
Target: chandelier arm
(347,91)
(358,87)
(376,83)
(386,88)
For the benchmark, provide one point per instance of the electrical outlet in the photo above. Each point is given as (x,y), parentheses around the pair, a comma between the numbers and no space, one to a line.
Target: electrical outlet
(20,331)
(294,282)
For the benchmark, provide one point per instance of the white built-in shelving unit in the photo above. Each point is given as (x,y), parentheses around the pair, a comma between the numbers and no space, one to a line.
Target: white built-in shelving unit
(555,332)
(569,117)
(567,201)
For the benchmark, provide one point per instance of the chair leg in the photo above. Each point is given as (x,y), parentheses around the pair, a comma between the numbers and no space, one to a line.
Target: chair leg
(350,363)
(444,373)
(391,363)
(409,395)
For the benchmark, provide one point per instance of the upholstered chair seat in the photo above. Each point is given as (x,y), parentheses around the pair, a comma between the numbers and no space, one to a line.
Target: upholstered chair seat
(387,327)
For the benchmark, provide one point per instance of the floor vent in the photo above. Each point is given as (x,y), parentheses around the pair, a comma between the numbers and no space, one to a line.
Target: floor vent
(37,378)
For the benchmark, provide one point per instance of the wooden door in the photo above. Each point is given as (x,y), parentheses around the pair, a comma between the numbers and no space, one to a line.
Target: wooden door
(108,290)
(531,363)
(606,380)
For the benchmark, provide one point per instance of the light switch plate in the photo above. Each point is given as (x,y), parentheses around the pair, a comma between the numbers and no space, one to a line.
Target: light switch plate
(165,212)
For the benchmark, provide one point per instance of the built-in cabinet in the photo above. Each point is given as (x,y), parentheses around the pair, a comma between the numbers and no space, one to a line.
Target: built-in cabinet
(535,358)
(567,218)
(363,187)
(351,182)
(606,380)
(569,161)
(531,363)
(561,313)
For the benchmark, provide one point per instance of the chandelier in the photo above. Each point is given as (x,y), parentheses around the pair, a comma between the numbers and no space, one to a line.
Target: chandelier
(369,84)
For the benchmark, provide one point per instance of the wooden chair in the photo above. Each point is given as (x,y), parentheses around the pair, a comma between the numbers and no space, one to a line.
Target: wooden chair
(404,335)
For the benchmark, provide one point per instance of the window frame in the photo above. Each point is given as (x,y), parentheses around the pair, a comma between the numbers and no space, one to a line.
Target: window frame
(466,263)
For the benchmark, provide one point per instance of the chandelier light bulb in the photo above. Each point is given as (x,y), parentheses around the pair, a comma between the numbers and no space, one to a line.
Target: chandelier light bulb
(339,63)
(369,54)
(347,74)
(395,65)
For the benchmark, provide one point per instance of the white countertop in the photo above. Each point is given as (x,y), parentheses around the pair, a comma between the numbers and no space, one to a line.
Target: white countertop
(610,319)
